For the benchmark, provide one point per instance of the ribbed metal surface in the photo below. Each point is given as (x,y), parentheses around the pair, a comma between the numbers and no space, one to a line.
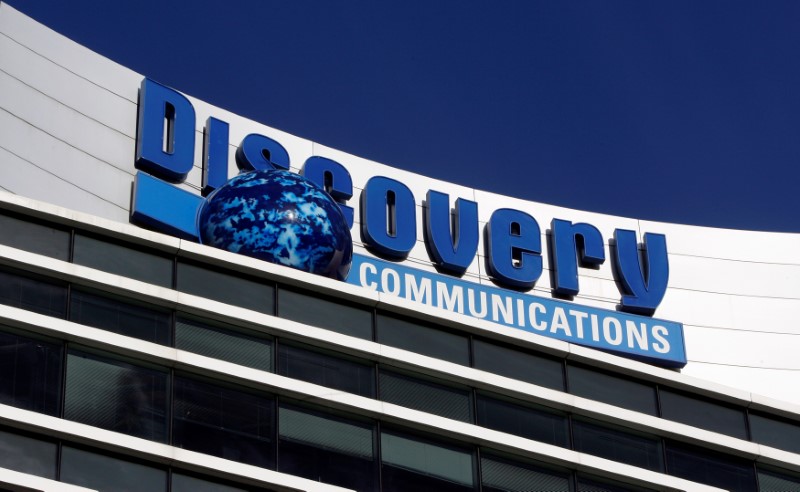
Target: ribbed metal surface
(223,345)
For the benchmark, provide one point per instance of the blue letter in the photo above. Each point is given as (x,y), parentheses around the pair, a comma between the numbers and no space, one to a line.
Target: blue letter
(165,143)
(451,250)
(388,217)
(333,178)
(261,153)
(573,243)
(644,285)
(513,248)
(215,155)
(165,208)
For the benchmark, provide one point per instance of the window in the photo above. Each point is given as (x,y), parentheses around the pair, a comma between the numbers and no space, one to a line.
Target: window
(597,485)
(236,290)
(31,371)
(333,315)
(121,260)
(711,468)
(327,370)
(326,448)
(416,337)
(413,463)
(515,364)
(614,390)
(187,483)
(34,237)
(117,396)
(426,396)
(224,422)
(523,420)
(109,474)
(33,294)
(504,475)
(781,434)
(120,317)
(617,445)
(224,344)
(777,481)
(708,415)
(28,455)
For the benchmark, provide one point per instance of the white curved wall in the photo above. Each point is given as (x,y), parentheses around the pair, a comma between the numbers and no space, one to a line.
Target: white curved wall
(67,132)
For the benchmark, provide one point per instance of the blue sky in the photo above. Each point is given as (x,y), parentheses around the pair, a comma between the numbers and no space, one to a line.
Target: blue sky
(679,111)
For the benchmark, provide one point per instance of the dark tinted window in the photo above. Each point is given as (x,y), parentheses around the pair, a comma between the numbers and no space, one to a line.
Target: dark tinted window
(519,365)
(36,238)
(325,369)
(501,475)
(777,433)
(116,396)
(187,483)
(224,422)
(31,372)
(775,481)
(234,289)
(413,463)
(596,485)
(422,339)
(614,390)
(109,474)
(616,445)
(224,344)
(120,317)
(702,413)
(33,294)
(523,420)
(333,315)
(710,468)
(326,448)
(28,455)
(426,396)
(120,260)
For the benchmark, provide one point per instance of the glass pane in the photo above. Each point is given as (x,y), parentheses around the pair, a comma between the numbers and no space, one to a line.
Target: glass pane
(411,463)
(326,370)
(592,485)
(116,396)
(771,481)
(28,455)
(223,344)
(33,294)
(31,373)
(523,420)
(616,445)
(502,475)
(704,414)
(614,390)
(777,433)
(224,422)
(516,364)
(107,474)
(425,340)
(33,237)
(119,260)
(120,317)
(327,449)
(711,468)
(426,396)
(186,483)
(316,311)
(234,289)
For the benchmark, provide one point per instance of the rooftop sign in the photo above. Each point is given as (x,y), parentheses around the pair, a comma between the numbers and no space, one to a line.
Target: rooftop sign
(388,229)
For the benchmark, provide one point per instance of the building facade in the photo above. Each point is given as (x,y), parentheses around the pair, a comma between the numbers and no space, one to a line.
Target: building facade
(136,360)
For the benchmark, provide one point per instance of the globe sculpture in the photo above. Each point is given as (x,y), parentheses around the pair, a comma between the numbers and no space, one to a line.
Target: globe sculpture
(279,217)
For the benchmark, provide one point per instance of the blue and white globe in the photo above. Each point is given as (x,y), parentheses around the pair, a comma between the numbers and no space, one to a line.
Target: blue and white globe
(279,217)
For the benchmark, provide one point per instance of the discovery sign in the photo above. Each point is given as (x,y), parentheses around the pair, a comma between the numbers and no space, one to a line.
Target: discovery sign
(304,221)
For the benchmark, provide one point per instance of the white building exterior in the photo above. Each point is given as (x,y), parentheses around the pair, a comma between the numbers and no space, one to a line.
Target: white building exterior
(67,143)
